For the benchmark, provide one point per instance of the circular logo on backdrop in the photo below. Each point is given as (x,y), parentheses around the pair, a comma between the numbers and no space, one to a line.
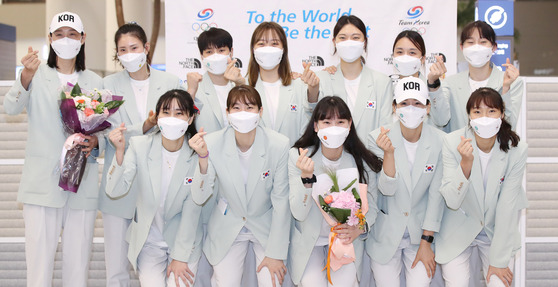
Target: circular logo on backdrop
(415,12)
(496,16)
(205,14)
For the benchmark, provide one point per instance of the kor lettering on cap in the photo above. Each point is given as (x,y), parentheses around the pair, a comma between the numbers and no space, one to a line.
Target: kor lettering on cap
(411,86)
(66,18)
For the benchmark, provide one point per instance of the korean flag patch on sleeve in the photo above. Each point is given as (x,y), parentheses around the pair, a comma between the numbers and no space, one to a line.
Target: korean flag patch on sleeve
(429,168)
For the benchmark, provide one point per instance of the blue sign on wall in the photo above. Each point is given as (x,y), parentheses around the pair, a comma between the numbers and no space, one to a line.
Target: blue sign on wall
(503,52)
(499,14)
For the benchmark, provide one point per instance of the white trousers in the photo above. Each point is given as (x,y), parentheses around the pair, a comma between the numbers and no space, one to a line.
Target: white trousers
(228,272)
(43,226)
(152,266)
(315,275)
(116,250)
(388,274)
(457,272)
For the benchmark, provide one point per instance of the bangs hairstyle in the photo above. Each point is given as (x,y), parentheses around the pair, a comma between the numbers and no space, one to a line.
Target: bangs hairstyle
(485,31)
(284,66)
(214,38)
(185,104)
(134,30)
(245,94)
(80,58)
(355,21)
(331,107)
(492,99)
(414,37)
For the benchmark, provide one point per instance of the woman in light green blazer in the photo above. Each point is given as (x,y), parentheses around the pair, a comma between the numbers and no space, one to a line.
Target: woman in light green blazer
(330,143)
(249,163)
(478,43)
(287,103)
(165,234)
(46,206)
(141,86)
(368,93)
(410,203)
(482,187)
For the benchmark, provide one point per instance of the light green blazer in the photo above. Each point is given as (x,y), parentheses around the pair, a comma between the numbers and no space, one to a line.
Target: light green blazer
(120,84)
(308,218)
(293,110)
(262,206)
(142,166)
(450,100)
(207,101)
(411,200)
(45,139)
(373,103)
(470,209)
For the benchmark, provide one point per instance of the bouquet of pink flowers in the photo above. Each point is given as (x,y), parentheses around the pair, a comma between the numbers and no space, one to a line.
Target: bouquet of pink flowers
(83,113)
(343,206)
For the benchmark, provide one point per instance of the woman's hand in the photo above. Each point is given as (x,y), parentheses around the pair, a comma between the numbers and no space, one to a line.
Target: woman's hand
(331,70)
(384,142)
(233,73)
(437,70)
(276,268)
(193,80)
(89,143)
(347,233)
(465,149)
(150,122)
(305,164)
(30,64)
(426,256)
(197,143)
(510,75)
(504,274)
(181,270)
(118,139)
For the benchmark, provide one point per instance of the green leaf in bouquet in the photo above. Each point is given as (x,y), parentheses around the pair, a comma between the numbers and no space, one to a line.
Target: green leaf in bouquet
(340,214)
(356,195)
(99,108)
(323,204)
(333,176)
(113,104)
(62,95)
(76,91)
(350,184)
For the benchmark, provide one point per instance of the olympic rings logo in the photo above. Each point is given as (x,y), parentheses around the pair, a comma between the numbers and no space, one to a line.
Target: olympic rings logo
(205,14)
(204,26)
(415,12)
(420,30)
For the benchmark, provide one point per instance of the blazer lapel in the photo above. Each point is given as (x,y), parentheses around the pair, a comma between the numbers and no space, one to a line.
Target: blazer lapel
(155,90)
(53,84)
(476,176)
(285,98)
(494,81)
(125,88)
(154,163)
(234,170)
(497,166)
(422,155)
(213,101)
(257,164)
(401,158)
(265,117)
(364,91)
(183,165)
(338,84)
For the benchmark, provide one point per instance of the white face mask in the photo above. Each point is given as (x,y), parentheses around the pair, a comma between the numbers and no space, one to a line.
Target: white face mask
(333,137)
(486,127)
(406,65)
(66,48)
(268,57)
(216,63)
(244,122)
(410,116)
(350,50)
(477,55)
(172,128)
(132,62)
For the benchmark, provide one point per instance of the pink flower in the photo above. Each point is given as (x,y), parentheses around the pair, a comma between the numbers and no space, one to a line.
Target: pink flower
(88,112)
(344,199)
(94,104)
(105,111)
(352,220)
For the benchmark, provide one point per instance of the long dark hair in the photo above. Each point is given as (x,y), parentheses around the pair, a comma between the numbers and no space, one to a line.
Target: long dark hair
(185,103)
(354,20)
(80,58)
(330,107)
(492,99)
(414,37)
(284,66)
(134,30)
(485,31)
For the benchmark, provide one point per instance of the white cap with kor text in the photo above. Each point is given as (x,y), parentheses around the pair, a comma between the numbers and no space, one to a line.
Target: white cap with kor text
(66,19)
(410,88)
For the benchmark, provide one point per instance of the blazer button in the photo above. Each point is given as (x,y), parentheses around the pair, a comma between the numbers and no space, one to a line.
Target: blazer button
(244,218)
(406,213)
(481,223)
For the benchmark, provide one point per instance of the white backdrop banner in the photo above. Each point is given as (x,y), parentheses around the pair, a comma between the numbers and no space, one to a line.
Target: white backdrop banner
(309,27)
